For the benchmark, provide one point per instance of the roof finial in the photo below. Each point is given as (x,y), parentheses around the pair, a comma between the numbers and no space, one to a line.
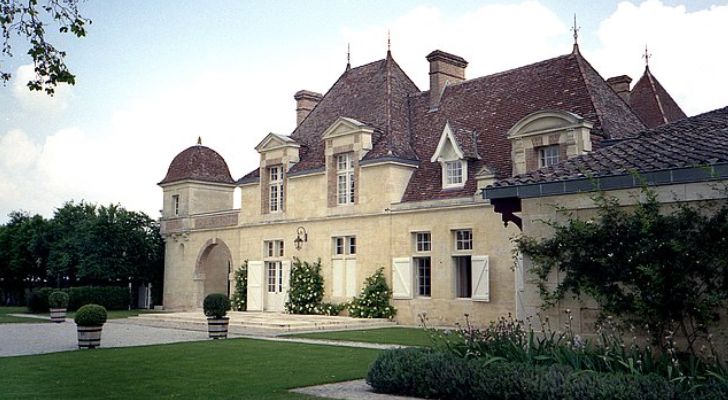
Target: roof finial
(647,57)
(348,56)
(199,140)
(389,41)
(575,29)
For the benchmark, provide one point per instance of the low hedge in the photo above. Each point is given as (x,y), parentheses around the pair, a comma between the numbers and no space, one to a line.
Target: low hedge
(111,297)
(431,374)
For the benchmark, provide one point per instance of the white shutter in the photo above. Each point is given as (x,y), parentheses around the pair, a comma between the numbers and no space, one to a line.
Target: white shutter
(351,278)
(481,278)
(338,276)
(255,285)
(402,278)
(286,266)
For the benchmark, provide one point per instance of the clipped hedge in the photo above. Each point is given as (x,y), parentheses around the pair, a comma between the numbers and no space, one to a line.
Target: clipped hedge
(216,305)
(90,315)
(58,299)
(431,374)
(111,297)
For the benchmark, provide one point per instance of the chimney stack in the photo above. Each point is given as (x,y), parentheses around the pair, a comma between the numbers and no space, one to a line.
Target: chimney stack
(305,102)
(620,84)
(445,69)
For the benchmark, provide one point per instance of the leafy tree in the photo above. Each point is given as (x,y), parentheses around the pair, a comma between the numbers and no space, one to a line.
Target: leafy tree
(23,254)
(30,21)
(647,264)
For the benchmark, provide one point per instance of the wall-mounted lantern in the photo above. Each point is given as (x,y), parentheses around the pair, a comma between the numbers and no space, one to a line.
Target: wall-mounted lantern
(301,237)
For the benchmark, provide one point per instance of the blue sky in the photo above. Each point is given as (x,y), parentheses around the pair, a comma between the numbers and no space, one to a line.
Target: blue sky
(154,75)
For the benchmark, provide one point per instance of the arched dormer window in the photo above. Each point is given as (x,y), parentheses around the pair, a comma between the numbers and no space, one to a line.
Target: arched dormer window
(457,145)
(547,137)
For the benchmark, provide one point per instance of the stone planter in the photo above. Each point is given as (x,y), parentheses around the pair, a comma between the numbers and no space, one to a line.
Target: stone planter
(58,314)
(89,337)
(218,327)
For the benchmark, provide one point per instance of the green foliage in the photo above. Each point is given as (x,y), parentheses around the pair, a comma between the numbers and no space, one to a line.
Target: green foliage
(510,340)
(666,268)
(216,305)
(29,20)
(374,299)
(434,374)
(111,297)
(306,288)
(38,300)
(330,308)
(58,299)
(90,315)
(240,297)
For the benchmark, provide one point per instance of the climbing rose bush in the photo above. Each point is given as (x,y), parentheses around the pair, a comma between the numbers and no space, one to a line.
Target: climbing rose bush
(306,288)
(374,299)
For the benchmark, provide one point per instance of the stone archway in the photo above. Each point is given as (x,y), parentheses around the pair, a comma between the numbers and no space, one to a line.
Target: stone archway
(212,270)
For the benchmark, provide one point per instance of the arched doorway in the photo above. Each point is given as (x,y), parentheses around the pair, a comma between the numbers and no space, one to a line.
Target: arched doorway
(212,270)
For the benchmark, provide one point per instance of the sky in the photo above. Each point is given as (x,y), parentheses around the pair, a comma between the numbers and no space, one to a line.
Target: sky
(152,76)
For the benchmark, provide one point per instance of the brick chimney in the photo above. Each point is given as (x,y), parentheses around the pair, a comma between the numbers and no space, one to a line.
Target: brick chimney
(305,102)
(445,69)
(620,84)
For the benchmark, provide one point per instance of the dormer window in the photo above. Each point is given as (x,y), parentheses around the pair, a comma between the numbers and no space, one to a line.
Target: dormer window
(548,156)
(457,145)
(275,187)
(454,173)
(345,188)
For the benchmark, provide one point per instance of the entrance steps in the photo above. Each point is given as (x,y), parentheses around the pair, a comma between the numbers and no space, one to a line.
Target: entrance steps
(259,323)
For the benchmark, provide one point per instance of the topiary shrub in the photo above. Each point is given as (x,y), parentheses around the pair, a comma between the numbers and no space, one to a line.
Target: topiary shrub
(306,288)
(216,305)
(373,301)
(90,315)
(58,299)
(240,297)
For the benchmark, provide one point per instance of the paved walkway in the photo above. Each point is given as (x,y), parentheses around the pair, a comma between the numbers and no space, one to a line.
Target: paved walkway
(351,390)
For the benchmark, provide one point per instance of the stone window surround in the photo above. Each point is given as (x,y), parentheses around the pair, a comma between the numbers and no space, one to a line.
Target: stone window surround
(276,171)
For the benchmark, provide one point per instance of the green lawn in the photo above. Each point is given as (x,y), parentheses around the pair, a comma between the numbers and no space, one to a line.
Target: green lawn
(398,335)
(233,368)
(9,319)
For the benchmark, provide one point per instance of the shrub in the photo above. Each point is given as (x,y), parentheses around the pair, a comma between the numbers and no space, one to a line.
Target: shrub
(330,308)
(306,287)
(435,374)
(111,297)
(240,297)
(38,300)
(216,305)
(90,315)
(373,302)
(58,299)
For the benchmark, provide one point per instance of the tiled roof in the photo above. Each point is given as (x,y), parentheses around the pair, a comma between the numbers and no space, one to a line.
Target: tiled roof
(467,140)
(492,104)
(199,163)
(696,141)
(652,103)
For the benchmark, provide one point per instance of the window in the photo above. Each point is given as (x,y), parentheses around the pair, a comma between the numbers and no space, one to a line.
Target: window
(424,277)
(175,204)
(463,276)
(548,155)
(463,240)
(344,245)
(275,189)
(273,248)
(274,273)
(423,242)
(454,173)
(345,178)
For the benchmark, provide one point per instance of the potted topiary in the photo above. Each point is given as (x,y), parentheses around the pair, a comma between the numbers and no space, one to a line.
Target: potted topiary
(58,302)
(89,322)
(216,306)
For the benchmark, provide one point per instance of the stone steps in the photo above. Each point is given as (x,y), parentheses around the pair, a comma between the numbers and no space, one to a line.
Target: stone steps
(259,323)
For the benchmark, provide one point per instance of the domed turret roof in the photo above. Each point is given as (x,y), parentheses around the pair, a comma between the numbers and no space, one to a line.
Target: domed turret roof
(199,163)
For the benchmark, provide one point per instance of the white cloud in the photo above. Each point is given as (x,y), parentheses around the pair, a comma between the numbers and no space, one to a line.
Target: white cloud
(686,47)
(17,151)
(38,100)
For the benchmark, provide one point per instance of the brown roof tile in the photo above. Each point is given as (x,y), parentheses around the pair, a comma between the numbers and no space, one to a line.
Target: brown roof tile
(199,163)
(652,103)
(695,141)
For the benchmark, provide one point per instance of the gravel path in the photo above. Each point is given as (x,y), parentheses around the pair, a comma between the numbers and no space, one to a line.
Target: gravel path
(23,339)
(351,390)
